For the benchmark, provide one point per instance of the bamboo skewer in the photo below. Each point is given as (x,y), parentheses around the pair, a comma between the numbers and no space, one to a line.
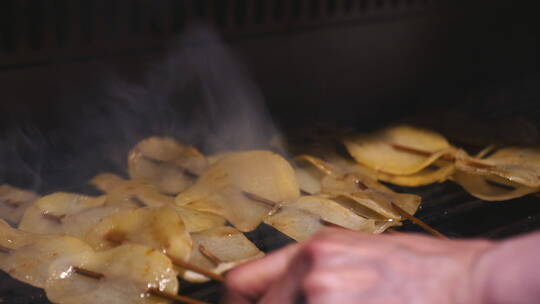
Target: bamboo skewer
(183,264)
(118,239)
(151,291)
(259,199)
(418,222)
(4,249)
(178,298)
(209,255)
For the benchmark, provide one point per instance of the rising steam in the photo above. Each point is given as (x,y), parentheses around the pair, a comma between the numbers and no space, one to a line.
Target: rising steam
(199,94)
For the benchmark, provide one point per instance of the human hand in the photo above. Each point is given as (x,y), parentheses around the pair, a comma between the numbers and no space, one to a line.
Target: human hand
(342,266)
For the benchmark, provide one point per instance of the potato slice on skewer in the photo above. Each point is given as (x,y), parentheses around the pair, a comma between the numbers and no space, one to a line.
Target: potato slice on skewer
(218,250)
(166,164)
(127,272)
(46,215)
(352,187)
(124,192)
(159,228)
(439,171)
(12,238)
(309,179)
(491,187)
(335,213)
(358,185)
(129,192)
(399,150)
(30,263)
(13,203)
(296,223)
(426,176)
(196,221)
(305,217)
(223,187)
(516,164)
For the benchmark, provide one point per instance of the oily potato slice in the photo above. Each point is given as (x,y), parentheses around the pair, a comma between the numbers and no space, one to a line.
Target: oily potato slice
(309,179)
(31,262)
(305,217)
(196,221)
(439,171)
(400,150)
(165,163)
(46,214)
(222,188)
(13,203)
(128,271)
(516,164)
(426,176)
(491,187)
(352,187)
(160,228)
(218,250)
(334,212)
(12,238)
(296,223)
(121,192)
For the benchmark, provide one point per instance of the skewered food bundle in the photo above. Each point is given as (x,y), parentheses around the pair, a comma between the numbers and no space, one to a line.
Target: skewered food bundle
(183,214)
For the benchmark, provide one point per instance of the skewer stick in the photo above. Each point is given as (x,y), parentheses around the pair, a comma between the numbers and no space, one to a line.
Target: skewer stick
(55,218)
(209,255)
(11,203)
(447,157)
(151,291)
(88,273)
(255,197)
(197,269)
(418,222)
(393,231)
(178,298)
(4,249)
(118,239)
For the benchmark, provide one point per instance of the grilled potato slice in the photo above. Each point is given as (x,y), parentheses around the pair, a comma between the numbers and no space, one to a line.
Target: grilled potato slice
(218,250)
(227,188)
(165,163)
(399,150)
(13,203)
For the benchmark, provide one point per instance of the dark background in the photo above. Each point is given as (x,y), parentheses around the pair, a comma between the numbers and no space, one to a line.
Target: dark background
(81,81)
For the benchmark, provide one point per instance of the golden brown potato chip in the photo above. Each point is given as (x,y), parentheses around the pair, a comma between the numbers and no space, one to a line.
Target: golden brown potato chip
(121,192)
(129,192)
(218,250)
(491,187)
(309,179)
(426,176)
(352,187)
(160,228)
(127,273)
(31,263)
(516,164)
(196,220)
(400,150)
(166,164)
(231,186)
(46,215)
(298,224)
(13,202)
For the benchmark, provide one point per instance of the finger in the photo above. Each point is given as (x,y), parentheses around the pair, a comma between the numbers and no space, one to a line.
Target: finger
(288,286)
(248,282)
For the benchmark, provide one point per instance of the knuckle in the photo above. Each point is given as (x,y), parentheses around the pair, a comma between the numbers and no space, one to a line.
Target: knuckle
(315,283)
(233,280)
(316,248)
